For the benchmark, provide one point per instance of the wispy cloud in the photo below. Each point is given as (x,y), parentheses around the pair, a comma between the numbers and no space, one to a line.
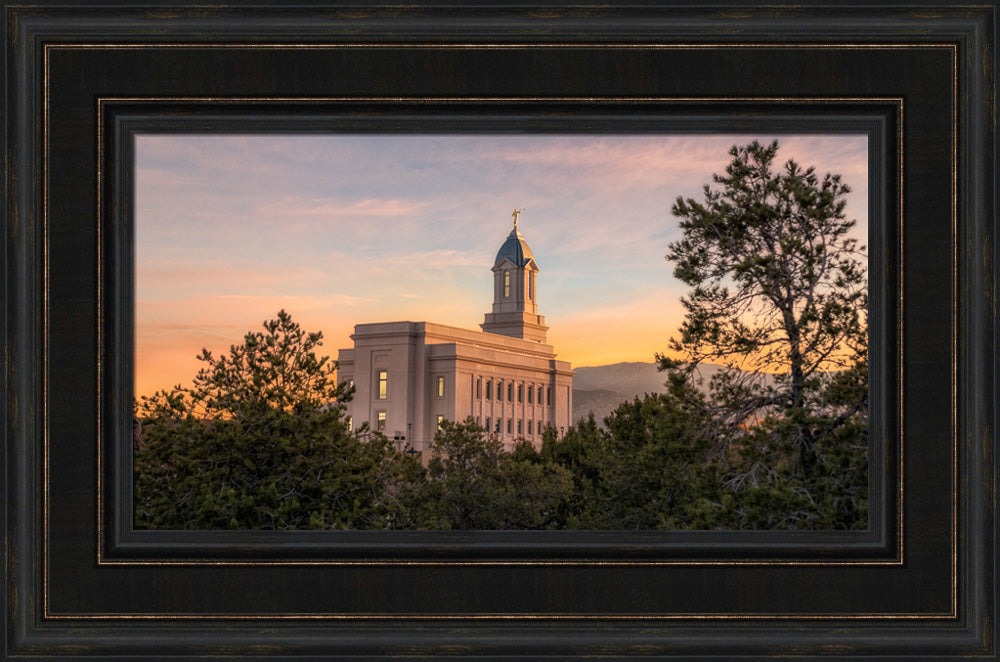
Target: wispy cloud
(344,229)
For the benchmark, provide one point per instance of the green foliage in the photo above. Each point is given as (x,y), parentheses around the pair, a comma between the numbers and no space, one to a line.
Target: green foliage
(259,442)
(582,453)
(767,483)
(474,484)
(658,466)
(779,299)
(649,468)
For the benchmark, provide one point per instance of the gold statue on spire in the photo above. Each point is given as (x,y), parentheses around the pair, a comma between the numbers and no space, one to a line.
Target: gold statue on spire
(516,213)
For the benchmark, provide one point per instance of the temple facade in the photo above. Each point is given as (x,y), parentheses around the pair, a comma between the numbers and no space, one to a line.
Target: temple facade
(411,376)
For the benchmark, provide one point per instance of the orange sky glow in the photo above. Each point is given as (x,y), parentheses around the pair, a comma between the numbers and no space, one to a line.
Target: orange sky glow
(340,230)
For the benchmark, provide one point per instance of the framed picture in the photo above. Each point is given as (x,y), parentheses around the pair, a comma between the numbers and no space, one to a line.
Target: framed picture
(96,94)
(488,428)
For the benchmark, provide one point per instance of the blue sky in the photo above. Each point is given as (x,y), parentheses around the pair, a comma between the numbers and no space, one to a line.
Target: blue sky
(346,229)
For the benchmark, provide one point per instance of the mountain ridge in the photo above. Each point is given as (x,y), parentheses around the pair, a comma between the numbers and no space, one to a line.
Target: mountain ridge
(601,389)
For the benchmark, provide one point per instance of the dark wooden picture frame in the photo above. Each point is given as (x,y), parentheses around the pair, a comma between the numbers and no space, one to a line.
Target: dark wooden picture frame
(81,584)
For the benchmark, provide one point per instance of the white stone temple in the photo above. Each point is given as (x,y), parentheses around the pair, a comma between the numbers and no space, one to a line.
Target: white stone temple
(410,376)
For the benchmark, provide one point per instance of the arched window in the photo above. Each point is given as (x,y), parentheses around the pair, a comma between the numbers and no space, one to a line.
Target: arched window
(531,285)
(506,284)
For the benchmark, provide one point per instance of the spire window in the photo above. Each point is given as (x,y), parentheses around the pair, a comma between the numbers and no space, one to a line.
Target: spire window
(506,284)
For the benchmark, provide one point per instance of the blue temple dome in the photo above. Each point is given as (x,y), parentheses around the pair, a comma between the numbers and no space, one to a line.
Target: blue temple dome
(516,249)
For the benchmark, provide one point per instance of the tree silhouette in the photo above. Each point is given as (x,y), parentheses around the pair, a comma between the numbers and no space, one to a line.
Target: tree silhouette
(260,442)
(779,298)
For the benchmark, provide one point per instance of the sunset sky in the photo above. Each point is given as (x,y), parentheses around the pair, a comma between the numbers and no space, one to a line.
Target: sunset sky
(347,229)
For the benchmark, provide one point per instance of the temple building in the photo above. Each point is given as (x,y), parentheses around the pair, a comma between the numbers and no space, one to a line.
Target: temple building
(411,376)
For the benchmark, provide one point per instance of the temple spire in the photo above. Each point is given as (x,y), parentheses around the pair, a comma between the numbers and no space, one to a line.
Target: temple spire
(515,305)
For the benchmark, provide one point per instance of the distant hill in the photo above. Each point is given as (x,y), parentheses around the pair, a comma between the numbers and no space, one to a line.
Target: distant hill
(600,389)
(600,402)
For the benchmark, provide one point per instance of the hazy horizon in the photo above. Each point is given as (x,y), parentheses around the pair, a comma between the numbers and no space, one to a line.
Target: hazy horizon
(340,230)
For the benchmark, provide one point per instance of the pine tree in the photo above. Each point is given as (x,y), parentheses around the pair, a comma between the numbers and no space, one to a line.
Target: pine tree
(778,298)
(259,441)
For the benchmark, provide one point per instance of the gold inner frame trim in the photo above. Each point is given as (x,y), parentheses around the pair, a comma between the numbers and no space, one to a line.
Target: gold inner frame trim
(898,561)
